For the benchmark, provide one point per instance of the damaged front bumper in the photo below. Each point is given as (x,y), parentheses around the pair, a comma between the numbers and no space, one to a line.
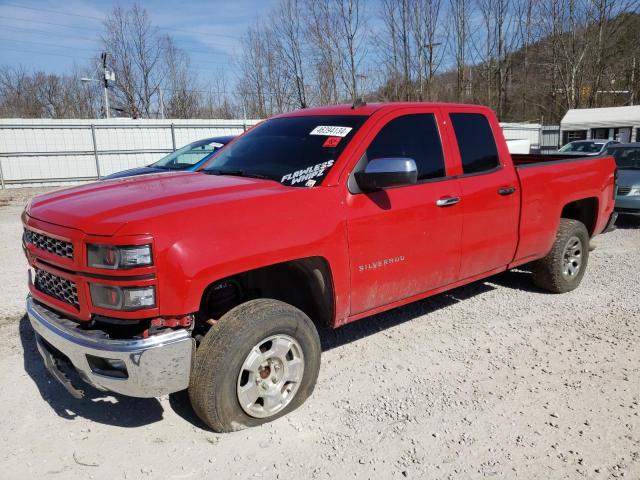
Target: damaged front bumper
(149,367)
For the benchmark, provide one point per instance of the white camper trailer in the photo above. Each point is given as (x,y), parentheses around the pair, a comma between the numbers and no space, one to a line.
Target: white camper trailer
(612,123)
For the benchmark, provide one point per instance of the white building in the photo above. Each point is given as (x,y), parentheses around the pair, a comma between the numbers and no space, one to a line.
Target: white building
(613,123)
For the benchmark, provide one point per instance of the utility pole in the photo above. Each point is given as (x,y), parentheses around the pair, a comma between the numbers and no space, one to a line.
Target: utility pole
(161,103)
(107,75)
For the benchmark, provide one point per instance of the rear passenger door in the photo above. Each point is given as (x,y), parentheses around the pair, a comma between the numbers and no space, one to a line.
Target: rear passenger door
(490,197)
(403,240)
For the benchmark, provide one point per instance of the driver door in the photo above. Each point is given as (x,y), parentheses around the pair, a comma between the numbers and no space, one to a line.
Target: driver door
(403,241)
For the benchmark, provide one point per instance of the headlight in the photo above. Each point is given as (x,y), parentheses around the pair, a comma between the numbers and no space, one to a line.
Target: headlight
(635,192)
(118,257)
(122,298)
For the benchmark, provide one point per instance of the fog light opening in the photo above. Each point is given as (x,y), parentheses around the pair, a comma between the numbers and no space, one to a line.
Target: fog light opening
(109,367)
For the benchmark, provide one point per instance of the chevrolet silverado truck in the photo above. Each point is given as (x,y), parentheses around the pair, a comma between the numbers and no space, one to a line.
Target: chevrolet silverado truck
(218,282)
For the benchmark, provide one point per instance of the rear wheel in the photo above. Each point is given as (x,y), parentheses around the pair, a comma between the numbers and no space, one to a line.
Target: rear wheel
(564,266)
(259,362)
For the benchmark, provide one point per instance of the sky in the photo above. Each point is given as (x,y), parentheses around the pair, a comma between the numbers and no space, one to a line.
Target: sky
(53,36)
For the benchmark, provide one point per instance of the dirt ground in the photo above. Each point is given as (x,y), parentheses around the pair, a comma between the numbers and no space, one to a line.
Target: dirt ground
(496,379)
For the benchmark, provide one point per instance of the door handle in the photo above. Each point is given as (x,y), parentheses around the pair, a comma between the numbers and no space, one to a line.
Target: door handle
(447,201)
(504,191)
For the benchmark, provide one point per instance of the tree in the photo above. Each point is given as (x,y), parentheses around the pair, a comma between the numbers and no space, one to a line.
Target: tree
(136,54)
(460,11)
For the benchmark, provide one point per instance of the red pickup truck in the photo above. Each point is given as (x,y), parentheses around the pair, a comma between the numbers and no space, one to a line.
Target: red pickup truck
(218,281)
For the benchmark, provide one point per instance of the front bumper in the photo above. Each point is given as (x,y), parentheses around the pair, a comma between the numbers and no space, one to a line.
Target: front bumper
(150,367)
(628,204)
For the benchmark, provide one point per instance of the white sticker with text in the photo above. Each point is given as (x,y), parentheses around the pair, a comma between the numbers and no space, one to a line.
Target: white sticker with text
(329,131)
(306,174)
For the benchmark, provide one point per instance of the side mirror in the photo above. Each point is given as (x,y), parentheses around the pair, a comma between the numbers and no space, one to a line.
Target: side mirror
(387,172)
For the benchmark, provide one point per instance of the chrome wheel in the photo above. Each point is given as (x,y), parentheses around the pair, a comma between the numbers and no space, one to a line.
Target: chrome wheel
(270,376)
(572,258)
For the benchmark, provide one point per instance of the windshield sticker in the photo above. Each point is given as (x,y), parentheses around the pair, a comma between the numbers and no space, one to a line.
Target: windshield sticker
(310,183)
(216,145)
(331,142)
(329,131)
(306,174)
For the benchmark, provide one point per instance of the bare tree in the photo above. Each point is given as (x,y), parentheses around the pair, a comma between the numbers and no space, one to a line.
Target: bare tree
(182,96)
(350,35)
(289,32)
(527,35)
(43,95)
(428,37)
(460,11)
(398,30)
(136,52)
(325,55)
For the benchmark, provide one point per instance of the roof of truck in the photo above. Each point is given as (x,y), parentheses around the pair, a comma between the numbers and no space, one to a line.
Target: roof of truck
(368,108)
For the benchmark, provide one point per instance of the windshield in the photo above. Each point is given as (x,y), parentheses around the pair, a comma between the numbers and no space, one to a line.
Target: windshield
(627,158)
(585,147)
(295,151)
(188,155)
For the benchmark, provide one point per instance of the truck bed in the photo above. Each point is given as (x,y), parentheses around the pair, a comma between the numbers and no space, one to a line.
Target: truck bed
(544,191)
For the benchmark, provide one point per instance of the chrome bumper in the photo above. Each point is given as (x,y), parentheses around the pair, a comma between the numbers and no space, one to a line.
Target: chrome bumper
(149,367)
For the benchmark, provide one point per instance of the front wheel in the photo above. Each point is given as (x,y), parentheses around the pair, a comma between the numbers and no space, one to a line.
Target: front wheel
(259,362)
(564,266)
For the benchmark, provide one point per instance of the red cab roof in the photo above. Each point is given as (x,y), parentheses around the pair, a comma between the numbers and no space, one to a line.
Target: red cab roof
(366,109)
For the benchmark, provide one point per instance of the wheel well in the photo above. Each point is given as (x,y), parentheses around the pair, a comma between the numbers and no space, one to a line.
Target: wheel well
(305,283)
(585,211)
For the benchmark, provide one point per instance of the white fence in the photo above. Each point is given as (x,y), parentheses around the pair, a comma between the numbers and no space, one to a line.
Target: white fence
(542,138)
(59,152)
(54,152)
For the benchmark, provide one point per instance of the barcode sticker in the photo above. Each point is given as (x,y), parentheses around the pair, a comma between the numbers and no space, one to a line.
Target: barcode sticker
(329,131)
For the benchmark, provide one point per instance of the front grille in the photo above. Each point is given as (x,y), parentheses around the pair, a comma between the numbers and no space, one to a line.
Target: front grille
(48,244)
(624,190)
(56,287)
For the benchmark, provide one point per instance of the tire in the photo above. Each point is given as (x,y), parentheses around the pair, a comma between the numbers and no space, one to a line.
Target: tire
(219,371)
(557,272)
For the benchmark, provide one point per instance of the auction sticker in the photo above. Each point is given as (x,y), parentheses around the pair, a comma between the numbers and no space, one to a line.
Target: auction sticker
(329,131)
(331,142)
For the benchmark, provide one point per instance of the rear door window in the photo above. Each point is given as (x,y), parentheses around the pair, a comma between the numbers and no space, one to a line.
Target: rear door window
(476,143)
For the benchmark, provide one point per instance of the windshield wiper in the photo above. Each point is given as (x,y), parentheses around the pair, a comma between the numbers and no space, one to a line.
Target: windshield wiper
(239,173)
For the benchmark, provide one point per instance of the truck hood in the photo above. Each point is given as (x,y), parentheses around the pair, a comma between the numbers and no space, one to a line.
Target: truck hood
(103,208)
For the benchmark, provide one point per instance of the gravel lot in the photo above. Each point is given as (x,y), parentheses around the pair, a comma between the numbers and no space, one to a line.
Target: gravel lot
(496,379)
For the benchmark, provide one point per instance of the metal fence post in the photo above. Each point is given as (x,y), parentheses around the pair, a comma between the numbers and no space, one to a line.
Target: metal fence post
(95,149)
(1,175)
(173,137)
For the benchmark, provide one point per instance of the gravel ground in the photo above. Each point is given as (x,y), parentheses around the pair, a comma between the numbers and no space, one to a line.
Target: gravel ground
(496,379)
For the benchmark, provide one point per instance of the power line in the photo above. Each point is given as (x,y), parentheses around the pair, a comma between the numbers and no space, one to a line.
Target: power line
(51,11)
(74,36)
(212,53)
(172,29)
(48,44)
(77,27)
(48,32)
(20,50)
